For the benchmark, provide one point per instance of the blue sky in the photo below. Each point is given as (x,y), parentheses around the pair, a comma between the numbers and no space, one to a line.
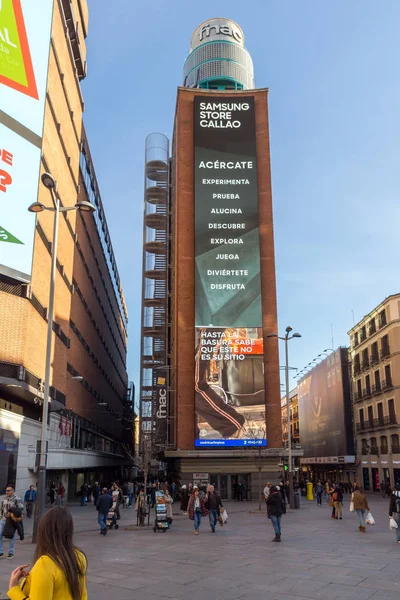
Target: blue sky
(332,69)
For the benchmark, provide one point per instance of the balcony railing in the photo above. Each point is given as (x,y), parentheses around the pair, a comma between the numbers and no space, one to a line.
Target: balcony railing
(387,384)
(366,392)
(376,423)
(395,449)
(375,450)
(363,336)
(357,369)
(376,388)
(357,397)
(365,365)
(364,451)
(384,450)
(385,352)
(374,358)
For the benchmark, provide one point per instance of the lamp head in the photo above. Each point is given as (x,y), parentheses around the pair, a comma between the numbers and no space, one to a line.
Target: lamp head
(289,329)
(48,181)
(36,207)
(85,206)
(297,335)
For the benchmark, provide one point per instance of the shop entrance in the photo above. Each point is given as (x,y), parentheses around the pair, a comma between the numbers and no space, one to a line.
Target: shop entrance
(375,479)
(396,473)
(366,479)
(231,487)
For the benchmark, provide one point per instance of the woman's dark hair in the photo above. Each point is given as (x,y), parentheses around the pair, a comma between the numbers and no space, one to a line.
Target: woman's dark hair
(273,489)
(56,529)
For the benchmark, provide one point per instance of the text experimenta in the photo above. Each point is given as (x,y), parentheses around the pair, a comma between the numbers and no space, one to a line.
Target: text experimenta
(225,182)
(221,164)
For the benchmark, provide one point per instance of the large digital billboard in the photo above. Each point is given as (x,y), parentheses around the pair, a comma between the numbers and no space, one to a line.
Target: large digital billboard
(324,409)
(229,361)
(25,29)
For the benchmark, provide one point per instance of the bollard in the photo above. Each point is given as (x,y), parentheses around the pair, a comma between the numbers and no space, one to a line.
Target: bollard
(310,495)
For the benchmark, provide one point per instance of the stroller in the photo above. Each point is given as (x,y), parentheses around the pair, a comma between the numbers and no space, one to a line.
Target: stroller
(112,517)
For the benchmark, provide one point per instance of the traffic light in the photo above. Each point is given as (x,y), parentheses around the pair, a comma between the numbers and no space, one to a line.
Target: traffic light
(285,467)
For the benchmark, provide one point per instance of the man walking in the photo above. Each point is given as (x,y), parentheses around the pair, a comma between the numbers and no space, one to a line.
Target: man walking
(103,505)
(29,500)
(213,503)
(6,502)
(319,488)
(267,491)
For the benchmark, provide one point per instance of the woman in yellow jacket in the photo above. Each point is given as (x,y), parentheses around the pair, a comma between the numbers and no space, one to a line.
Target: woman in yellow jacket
(59,570)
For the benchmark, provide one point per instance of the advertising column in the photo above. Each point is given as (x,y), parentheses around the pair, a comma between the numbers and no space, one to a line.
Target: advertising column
(229,361)
(25,29)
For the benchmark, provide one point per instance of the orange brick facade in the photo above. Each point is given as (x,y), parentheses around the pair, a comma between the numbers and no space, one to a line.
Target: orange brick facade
(183,284)
(23,330)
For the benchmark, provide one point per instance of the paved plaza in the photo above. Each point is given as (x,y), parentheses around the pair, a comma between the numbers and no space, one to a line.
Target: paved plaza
(318,557)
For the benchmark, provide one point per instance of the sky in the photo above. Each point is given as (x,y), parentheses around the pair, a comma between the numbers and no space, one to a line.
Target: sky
(332,69)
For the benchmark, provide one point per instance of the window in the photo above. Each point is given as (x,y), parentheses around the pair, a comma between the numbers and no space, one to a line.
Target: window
(363,334)
(362,417)
(380,413)
(368,385)
(374,446)
(392,413)
(356,342)
(374,353)
(357,365)
(365,359)
(385,350)
(364,446)
(370,416)
(395,443)
(359,390)
(382,318)
(377,377)
(388,377)
(384,445)
(372,327)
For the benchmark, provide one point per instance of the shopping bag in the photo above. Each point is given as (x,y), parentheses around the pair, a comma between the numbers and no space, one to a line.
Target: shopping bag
(370,519)
(352,504)
(224,515)
(392,524)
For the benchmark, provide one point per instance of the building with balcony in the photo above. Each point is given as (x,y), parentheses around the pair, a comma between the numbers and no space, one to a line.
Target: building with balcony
(91,413)
(375,364)
(294,419)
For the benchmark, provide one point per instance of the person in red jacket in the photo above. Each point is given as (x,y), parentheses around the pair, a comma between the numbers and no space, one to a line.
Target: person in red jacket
(197,509)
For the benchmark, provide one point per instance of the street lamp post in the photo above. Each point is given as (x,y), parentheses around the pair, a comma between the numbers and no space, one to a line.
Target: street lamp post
(37,207)
(287,368)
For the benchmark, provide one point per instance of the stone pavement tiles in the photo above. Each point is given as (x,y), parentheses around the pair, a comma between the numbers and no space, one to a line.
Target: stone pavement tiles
(318,557)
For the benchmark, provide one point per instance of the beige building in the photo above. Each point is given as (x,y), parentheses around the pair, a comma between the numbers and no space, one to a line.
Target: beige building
(375,356)
(294,418)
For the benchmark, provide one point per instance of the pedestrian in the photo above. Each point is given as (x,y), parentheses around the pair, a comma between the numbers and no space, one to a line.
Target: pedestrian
(286,492)
(60,494)
(140,507)
(117,498)
(52,494)
(130,492)
(383,489)
(394,509)
(168,499)
(184,499)
(361,506)
(213,504)
(103,505)
(96,491)
(6,502)
(88,493)
(173,490)
(29,500)
(59,570)
(153,490)
(190,489)
(275,510)
(197,509)
(83,494)
(329,492)
(319,489)
(337,497)
(266,491)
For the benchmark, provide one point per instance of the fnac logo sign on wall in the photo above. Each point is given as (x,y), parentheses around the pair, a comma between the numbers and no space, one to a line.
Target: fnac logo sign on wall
(16,69)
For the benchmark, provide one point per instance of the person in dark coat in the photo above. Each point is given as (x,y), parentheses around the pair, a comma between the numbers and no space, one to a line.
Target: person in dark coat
(52,494)
(197,509)
(184,499)
(275,511)
(103,505)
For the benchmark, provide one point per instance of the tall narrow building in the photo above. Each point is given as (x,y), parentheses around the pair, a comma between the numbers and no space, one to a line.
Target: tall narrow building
(214,399)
